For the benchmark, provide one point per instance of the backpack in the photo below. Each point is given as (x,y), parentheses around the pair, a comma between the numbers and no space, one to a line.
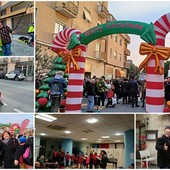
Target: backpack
(55,88)
(27,156)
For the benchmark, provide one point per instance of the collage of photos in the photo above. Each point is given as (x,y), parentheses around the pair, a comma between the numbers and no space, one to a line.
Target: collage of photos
(90,89)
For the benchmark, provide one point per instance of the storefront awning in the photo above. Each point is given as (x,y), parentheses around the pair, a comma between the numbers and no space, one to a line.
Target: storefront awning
(120,73)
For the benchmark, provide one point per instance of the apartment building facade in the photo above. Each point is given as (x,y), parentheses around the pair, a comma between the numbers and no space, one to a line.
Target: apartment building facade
(18,15)
(101,59)
(23,64)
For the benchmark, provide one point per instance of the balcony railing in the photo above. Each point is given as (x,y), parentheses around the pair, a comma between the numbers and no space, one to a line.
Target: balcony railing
(103,11)
(127,52)
(67,8)
(99,55)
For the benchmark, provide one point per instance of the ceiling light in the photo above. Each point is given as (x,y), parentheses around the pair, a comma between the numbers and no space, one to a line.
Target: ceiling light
(83,138)
(117,140)
(92,120)
(105,137)
(42,134)
(118,134)
(99,139)
(67,132)
(43,118)
(48,116)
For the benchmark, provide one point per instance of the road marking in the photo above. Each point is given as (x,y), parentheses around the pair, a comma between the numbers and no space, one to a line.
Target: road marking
(5,104)
(18,86)
(18,111)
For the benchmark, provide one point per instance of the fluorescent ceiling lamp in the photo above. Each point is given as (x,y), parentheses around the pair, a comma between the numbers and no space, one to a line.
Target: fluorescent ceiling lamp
(83,138)
(105,137)
(43,118)
(48,116)
(118,134)
(42,134)
(67,132)
(117,140)
(92,120)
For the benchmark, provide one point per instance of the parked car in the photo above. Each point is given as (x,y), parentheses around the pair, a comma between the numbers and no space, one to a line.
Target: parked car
(14,76)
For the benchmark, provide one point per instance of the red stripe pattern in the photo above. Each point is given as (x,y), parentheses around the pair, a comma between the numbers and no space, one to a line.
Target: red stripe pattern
(76,78)
(162,27)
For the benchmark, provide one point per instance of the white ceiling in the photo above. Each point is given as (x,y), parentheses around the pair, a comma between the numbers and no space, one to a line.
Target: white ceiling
(107,125)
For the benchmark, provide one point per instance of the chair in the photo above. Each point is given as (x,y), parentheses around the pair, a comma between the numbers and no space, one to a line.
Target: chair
(145,156)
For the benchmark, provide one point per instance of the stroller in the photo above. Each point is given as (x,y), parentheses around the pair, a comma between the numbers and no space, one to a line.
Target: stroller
(1,103)
(111,98)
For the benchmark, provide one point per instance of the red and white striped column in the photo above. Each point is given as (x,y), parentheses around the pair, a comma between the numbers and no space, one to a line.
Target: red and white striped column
(155,81)
(76,77)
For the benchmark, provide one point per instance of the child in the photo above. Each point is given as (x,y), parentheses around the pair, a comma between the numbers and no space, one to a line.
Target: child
(111,97)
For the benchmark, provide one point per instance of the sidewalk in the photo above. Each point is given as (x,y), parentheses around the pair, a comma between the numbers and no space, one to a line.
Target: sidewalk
(19,48)
(118,108)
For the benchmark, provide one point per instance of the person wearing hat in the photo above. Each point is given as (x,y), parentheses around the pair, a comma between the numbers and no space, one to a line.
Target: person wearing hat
(22,141)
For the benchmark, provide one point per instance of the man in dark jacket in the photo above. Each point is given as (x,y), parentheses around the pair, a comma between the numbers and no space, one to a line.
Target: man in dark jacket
(57,85)
(104,160)
(163,148)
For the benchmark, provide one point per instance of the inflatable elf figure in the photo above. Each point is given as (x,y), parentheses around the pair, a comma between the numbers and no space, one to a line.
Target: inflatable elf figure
(1,52)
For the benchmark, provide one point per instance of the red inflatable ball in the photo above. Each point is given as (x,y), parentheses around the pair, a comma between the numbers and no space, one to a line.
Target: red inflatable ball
(42,101)
(167,108)
(63,103)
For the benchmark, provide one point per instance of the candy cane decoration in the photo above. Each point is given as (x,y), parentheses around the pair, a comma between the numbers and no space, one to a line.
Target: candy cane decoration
(155,81)
(76,77)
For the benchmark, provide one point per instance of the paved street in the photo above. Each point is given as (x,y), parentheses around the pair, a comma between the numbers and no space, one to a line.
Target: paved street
(18,96)
(19,48)
(118,108)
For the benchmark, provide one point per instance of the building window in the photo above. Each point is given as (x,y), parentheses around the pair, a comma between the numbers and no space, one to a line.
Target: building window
(115,55)
(115,37)
(98,47)
(120,57)
(58,27)
(98,23)
(110,52)
(120,42)
(3,12)
(86,15)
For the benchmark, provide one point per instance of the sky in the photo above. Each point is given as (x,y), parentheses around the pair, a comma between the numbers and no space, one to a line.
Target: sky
(142,11)
(16,118)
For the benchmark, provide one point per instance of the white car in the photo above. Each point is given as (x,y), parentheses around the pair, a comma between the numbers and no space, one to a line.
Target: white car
(15,76)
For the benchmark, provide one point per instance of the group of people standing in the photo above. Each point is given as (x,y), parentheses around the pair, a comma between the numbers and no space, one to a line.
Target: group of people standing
(12,150)
(129,90)
(81,161)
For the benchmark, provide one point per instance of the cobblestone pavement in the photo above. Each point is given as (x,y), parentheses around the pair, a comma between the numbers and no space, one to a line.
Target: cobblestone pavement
(19,48)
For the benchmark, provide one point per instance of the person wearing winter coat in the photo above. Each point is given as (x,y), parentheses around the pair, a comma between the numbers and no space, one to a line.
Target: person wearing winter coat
(163,148)
(10,151)
(104,160)
(90,94)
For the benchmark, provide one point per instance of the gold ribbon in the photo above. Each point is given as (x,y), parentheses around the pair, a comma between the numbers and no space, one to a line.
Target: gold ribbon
(149,50)
(69,58)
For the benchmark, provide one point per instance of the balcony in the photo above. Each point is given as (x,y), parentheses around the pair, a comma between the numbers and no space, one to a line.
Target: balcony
(127,52)
(67,8)
(111,18)
(100,56)
(127,38)
(15,59)
(102,11)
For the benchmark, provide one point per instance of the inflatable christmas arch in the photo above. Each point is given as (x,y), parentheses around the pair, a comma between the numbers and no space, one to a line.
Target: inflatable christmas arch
(71,45)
